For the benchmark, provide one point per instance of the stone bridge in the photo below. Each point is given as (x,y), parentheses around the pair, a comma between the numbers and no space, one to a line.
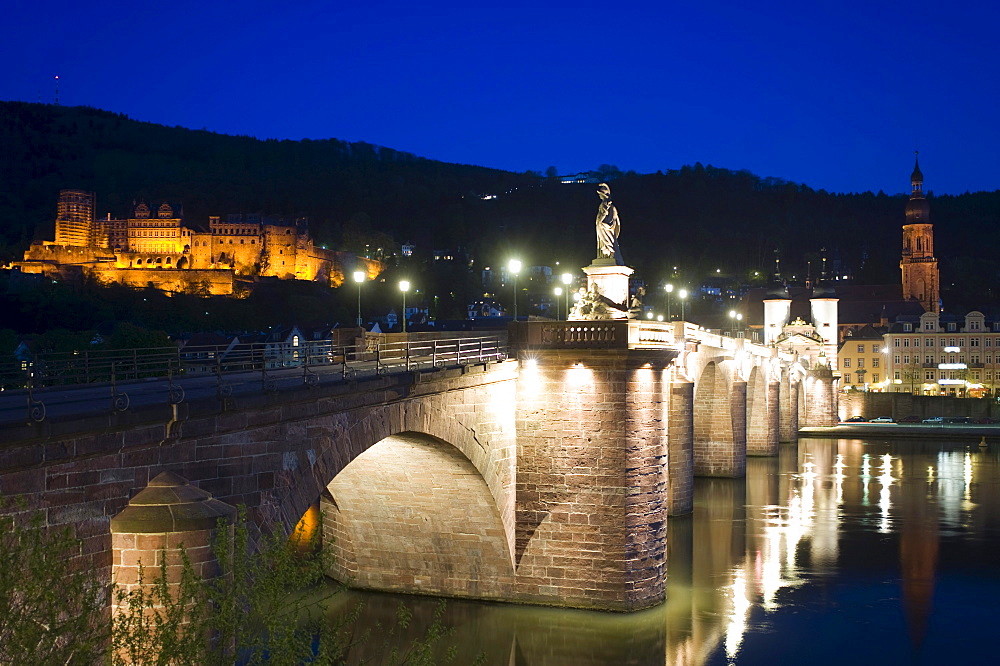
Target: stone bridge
(544,478)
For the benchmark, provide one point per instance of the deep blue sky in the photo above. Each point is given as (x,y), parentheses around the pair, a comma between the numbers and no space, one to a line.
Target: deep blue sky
(833,94)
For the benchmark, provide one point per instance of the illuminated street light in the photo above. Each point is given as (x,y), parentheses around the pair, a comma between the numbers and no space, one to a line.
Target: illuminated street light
(670,288)
(659,317)
(649,315)
(683,293)
(558,292)
(359,277)
(567,279)
(404,286)
(514,265)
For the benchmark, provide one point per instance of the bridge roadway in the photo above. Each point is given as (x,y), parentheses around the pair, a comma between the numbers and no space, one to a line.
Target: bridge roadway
(546,477)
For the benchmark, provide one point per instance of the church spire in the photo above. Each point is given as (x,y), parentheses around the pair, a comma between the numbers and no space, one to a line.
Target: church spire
(917,178)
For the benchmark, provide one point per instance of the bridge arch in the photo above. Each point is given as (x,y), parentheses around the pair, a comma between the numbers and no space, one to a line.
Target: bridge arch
(413,513)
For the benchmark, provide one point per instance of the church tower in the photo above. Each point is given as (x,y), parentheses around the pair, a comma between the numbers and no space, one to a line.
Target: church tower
(918,264)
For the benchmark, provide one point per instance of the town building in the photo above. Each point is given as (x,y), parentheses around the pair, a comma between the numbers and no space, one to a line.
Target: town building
(862,360)
(943,354)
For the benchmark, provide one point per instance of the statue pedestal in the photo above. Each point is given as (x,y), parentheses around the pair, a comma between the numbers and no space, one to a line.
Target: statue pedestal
(611,281)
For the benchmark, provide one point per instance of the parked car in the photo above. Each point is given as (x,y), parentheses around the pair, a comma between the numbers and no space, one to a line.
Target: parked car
(957,419)
(934,420)
(910,419)
(856,419)
(883,419)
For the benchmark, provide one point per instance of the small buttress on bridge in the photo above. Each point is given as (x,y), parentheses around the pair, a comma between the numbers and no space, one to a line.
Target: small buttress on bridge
(546,478)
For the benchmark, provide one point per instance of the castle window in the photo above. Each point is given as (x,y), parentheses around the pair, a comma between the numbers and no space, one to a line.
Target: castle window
(929,342)
(847,362)
(861,349)
(876,349)
(847,378)
(875,378)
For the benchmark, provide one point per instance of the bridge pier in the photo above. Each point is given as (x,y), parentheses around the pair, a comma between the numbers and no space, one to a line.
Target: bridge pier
(592,482)
(788,426)
(720,424)
(680,449)
(821,398)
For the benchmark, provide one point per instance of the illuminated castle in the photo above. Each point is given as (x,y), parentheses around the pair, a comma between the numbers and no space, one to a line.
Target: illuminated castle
(154,247)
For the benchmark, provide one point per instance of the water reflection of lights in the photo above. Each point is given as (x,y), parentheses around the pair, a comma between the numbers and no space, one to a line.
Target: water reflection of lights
(884,502)
(865,477)
(738,618)
(838,477)
(967,476)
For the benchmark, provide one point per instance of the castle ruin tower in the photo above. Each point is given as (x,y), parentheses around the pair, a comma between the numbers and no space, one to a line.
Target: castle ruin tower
(921,279)
(75,218)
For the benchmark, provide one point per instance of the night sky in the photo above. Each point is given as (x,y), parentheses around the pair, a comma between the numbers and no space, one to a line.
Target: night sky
(833,94)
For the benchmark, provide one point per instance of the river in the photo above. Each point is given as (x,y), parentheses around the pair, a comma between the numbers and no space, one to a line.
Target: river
(835,551)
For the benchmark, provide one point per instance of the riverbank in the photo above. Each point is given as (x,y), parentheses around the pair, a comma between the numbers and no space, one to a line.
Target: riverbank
(906,430)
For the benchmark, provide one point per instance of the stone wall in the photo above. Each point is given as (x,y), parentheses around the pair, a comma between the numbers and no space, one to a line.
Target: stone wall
(220,282)
(902,405)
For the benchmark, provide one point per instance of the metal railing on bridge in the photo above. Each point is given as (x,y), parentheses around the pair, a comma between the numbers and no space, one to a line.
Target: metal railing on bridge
(173,374)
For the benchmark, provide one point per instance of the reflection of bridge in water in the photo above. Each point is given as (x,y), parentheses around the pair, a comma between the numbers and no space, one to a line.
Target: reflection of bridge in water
(759,564)
(545,477)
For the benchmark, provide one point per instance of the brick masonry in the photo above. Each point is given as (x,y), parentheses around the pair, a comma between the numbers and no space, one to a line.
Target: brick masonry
(550,483)
(592,461)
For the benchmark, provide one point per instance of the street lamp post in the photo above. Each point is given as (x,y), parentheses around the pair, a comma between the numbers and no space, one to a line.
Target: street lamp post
(669,288)
(683,293)
(558,292)
(359,277)
(514,265)
(404,286)
(567,279)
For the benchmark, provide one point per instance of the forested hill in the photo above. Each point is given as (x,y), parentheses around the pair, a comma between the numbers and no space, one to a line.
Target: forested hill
(46,148)
(698,217)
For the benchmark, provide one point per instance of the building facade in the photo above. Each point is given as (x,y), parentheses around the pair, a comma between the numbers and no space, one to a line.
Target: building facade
(940,354)
(862,360)
(155,246)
